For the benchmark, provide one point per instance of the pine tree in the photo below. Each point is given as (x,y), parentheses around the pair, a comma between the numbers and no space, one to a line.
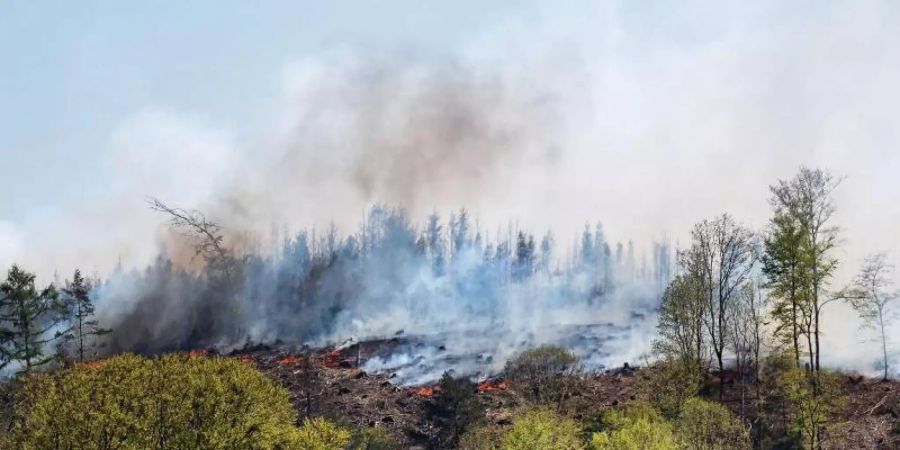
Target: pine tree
(26,318)
(80,337)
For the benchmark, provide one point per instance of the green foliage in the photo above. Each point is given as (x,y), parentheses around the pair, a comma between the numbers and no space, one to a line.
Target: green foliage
(452,410)
(811,398)
(635,426)
(704,425)
(482,437)
(370,438)
(175,402)
(26,317)
(320,434)
(543,429)
(680,325)
(80,339)
(546,375)
(664,394)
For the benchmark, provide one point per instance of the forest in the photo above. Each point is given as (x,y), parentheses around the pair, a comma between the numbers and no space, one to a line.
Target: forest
(500,339)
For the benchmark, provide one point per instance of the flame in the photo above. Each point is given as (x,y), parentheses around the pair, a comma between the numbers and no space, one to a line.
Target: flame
(425,391)
(246,359)
(332,359)
(95,364)
(289,360)
(197,353)
(490,386)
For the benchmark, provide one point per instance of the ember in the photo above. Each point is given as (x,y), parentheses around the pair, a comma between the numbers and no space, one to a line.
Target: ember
(289,360)
(489,386)
(95,364)
(333,359)
(427,391)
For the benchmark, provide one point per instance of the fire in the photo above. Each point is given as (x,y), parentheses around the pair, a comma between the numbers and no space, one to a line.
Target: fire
(197,353)
(95,364)
(332,359)
(246,359)
(425,391)
(289,360)
(490,386)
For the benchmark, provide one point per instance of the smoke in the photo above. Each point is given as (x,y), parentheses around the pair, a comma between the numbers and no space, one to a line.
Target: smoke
(649,118)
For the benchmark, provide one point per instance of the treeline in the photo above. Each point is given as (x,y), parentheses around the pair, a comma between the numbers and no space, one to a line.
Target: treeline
(31,319)
(759,298)
(311,285)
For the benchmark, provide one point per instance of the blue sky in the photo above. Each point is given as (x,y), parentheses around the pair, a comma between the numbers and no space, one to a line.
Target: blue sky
(646,115)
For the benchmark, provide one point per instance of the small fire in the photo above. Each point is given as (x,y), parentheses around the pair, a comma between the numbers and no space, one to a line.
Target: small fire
(289,360)
(197,353)
(95,364)
(425,391)
(490,386)
(246,359)
(332,359)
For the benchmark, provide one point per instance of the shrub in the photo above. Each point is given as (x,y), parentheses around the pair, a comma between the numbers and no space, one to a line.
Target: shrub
(174,402)
(661,389)
(319,434)
(546,375)
(705,425)
(636,426)
(812,398)
(543,429)
(482,437)
(452,410)
(370,438)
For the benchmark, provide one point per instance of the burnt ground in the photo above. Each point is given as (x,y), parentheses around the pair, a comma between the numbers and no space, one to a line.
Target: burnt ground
(330,383)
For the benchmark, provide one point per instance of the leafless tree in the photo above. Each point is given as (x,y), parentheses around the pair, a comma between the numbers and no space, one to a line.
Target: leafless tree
(720,258)
(871,296)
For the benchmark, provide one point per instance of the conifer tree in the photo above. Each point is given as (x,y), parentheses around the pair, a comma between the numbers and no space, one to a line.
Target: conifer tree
(80,337)
(26,318)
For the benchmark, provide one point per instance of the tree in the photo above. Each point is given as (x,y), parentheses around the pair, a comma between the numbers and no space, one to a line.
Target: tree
(704,425)
(453,410)
(720,258)
(26,318)
(79,312)
(680,324)
(784,265)
(807,198)
(747,335)
(871,296)
(546,375)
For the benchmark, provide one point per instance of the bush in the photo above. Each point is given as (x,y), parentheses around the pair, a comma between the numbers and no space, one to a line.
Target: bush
(452,410)
(483,437)
(319,434)
(546,375)
(543,429)
(370,438)
(705,425)
(667,384)
(175,402)
(636,426)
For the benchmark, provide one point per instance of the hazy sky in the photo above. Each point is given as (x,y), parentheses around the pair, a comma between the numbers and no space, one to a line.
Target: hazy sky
(646,115)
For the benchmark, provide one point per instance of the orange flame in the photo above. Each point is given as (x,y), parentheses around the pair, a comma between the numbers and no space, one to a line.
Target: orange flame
(490,386)
(197,353)
(425,391)
(289,360)
(332,359)
(95,364)
(246,359)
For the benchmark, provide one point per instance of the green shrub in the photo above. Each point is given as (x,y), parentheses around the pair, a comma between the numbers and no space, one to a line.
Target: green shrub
(483,437)
(175,402)
(452,410)
(370,438)
(667,384)
(546,375)
(705,425)
(543,429)
(636,426)
(319,434)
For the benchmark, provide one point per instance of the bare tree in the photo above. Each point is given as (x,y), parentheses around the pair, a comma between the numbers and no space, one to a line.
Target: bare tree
(871,295)
(720,258)
(748,333)
(680,325)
